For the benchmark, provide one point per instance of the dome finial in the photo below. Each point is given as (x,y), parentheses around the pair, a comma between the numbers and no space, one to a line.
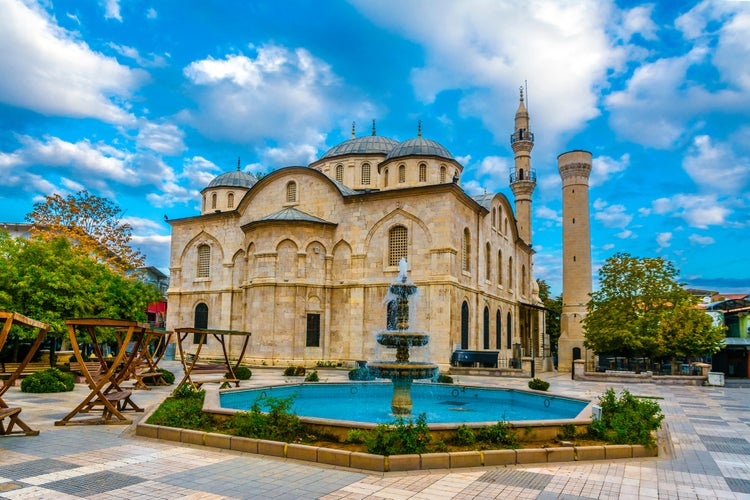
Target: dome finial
(238,164)
(419,128)
(373,127)
(521,89)
(354,128)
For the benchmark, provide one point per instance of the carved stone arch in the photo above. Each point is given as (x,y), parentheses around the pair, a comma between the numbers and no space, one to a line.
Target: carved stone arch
(314,240)
(315,261)
(282,239)
(342,261)
(286,259)
(199,239)
(251,266)
(239,264)
(314,303)
(389,217)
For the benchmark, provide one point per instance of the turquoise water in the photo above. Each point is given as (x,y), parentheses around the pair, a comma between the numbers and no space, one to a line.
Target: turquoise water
(371,402)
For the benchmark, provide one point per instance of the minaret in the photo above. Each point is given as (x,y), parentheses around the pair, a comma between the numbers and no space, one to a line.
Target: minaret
(523,178)
(575,167)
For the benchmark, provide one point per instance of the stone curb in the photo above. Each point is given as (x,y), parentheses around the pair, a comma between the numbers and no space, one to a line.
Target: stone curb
(379,463)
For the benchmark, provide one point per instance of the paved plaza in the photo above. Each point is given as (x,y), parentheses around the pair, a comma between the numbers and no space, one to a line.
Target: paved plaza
(707,456)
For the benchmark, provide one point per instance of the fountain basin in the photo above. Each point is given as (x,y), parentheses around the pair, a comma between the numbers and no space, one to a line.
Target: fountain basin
(337,408)
(399,371)
(402,339)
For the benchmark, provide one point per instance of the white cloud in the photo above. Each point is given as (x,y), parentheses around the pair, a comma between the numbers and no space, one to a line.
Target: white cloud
(604,167)
(638,21)
(152,61)
(282,95)
(699,211)
(151,13)
(165,138)
(715,167)
(290,154)
(611,215)
(142,225)
(199,171)
(491,173)
(548,214)
(486,49)
(50,72)
(625,234)
(663,240)
(112,10)
(696,239)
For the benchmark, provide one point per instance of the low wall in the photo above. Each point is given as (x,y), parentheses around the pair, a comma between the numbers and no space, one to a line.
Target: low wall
(642,378)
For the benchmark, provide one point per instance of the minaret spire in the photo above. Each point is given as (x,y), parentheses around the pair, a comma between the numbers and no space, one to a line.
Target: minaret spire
(419,129)
(523,177)
(373,127)
(354,127)
(238,164)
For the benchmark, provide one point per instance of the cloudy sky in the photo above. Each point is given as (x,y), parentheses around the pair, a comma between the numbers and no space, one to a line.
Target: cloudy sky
(145,102)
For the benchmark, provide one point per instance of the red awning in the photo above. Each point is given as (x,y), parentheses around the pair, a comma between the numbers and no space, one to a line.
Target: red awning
(157,307)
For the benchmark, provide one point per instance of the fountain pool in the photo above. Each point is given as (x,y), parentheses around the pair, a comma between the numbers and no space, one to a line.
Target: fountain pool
(368,402)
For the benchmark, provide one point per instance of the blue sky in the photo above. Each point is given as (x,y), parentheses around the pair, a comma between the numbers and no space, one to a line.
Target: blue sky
(145,102)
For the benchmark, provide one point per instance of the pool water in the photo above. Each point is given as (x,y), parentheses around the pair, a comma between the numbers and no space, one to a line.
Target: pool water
(442,403)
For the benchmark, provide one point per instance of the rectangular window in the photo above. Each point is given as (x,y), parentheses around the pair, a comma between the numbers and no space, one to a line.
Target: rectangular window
(313,330)
(366,173)
(204,261)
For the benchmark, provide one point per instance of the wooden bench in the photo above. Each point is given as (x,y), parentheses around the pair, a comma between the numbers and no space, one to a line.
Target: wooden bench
(94,367)
(9,368)
(12,414)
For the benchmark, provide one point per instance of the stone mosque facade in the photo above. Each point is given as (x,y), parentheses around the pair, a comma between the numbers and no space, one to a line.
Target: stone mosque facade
(302,258)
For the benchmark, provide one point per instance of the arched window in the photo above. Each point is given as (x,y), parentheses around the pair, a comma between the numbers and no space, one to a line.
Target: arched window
(510,273)
(291,192)
(498,330)
(340,173)
(487,261)
(401,173)
(520,175)
(466,257)
(442,175)
(422,172)
(397,245)
(385,178)
(204,202)
(523,279)
(505,231)
(500,267)
(493,218)
(213,200)
(464,325)
(204,261)
(230,200)
(366,173)
(486,330)
(200,320)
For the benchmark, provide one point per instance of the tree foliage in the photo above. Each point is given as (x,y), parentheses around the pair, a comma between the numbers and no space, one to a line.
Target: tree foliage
(641,310)
(53,281)
(90,222)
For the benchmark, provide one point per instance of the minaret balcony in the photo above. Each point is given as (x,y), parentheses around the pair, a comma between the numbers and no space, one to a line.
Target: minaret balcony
(520,175)
(521,135)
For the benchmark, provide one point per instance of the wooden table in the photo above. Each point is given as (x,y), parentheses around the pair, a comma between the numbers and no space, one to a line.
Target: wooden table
(9,319)
(193,367)
(146,363)
(106,391)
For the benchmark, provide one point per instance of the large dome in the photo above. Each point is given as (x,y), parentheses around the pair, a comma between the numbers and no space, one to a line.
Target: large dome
(235,178)
(419,147)
(366,145)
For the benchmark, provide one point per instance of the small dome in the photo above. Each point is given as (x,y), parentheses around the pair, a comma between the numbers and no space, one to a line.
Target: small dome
(419,147)
(366,145)
(235,178)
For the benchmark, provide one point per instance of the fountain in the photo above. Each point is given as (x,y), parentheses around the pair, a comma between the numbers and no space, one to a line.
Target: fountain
(402,371)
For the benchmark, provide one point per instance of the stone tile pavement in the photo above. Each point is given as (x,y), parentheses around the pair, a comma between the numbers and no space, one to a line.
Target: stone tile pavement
(707,456)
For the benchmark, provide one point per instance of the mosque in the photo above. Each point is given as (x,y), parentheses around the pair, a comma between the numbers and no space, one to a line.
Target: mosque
(303,256)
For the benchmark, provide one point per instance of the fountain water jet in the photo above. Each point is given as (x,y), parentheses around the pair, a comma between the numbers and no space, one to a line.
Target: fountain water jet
(402,371)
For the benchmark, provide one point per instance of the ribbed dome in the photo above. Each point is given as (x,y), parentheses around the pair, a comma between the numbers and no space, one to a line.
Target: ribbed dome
(235,178)
(369,144)
(419,147)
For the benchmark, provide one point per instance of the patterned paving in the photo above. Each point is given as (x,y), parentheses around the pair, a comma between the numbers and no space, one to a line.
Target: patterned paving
(706,456)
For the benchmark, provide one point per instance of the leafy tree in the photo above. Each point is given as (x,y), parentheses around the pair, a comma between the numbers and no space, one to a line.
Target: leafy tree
(553,315)
(53,281)
(640,309)
(91,223)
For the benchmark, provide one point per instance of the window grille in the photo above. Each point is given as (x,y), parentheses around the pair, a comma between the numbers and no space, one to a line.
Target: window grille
(442,175)
(401,173)
(230,200)
(366,173)
(466,250)
(313,330)
(397,245)
(488,262)
(291,192)
(422,172)
(340,173)
(204,261)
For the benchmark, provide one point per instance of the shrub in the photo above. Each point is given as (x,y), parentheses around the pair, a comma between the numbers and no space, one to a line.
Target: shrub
(444,379)
(356,436)
(326,364)
(465,436)
(165,374)
(277,423)
(627,419)
(312,377)
(400,437)
(361,373)
(183,409)
(567,432)
(294,371)
(241,373)
(500,434)
(49,380)
(538,384)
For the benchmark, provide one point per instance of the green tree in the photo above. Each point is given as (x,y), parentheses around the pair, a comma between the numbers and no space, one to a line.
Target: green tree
(53,281)
(90,222)
(687,331)
(554,307)
(639,311)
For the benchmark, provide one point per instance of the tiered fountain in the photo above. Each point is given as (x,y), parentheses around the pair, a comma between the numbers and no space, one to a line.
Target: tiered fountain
(402,371)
